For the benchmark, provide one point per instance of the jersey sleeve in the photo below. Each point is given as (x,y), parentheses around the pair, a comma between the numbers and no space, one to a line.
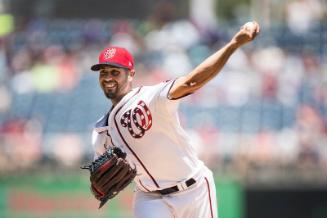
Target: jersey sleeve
(98,142)
(164,100)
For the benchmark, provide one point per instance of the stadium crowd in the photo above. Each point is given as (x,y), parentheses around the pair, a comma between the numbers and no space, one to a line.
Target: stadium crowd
(267,108)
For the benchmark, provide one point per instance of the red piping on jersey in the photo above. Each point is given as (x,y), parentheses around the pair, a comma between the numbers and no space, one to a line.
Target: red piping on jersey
(110,140)
(209,196)
(177,97)
(143,186)
(154,181)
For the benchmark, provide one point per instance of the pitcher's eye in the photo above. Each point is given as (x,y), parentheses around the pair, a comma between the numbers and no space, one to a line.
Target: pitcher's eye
(115,72)
(103,72)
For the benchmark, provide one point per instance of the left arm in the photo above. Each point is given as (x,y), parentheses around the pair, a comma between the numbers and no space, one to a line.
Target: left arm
(211,66)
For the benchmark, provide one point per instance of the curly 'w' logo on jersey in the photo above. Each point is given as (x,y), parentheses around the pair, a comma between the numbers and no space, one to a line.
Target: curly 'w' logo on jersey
(137,120)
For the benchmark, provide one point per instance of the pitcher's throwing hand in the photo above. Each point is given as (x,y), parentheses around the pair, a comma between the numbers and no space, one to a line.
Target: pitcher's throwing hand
(247,33)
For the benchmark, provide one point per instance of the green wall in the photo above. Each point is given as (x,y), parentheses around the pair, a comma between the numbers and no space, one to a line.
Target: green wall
(67,195)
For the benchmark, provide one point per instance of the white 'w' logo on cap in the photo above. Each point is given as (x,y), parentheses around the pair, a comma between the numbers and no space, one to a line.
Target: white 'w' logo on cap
(109,53)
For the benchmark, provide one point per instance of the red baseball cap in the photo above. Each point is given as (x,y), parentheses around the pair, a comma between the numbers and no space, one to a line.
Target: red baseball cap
(114,56)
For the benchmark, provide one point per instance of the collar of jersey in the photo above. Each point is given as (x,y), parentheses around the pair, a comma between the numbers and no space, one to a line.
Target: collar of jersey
(102,124)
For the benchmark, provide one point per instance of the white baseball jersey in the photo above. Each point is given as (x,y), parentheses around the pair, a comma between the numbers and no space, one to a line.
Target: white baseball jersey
(145,124)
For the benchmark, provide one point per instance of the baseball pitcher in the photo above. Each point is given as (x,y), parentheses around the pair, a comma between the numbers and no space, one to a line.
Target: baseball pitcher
(140,138)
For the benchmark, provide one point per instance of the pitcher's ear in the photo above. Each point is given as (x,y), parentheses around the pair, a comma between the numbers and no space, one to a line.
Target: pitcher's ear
(131,74)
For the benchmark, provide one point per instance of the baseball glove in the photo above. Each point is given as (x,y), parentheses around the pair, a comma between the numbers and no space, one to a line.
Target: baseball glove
(109,174)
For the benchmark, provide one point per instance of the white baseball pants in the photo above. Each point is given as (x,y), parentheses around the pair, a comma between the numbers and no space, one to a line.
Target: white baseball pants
(198,201)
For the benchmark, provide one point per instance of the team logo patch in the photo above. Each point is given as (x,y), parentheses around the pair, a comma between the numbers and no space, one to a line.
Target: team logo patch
(109,53)
(137,120)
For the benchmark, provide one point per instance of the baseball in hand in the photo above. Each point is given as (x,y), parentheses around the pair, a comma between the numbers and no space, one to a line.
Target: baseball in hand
(247,33)
(249,25)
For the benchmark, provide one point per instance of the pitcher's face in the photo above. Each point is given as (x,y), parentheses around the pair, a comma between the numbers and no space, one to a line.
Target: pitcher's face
(115,82)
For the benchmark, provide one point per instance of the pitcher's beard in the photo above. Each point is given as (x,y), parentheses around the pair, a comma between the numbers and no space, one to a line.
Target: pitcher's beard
(115,93)
(111,94)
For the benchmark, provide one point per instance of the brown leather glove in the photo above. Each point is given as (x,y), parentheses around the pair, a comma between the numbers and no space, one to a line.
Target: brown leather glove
(109,174)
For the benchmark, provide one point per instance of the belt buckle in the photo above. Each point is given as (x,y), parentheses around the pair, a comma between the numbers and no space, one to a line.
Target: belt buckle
(182,186)
(179,187)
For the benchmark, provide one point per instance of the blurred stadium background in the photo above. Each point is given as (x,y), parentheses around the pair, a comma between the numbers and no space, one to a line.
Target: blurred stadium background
(261,125)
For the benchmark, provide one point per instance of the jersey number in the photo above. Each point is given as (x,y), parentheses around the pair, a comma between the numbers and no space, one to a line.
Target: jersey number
(141,117)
